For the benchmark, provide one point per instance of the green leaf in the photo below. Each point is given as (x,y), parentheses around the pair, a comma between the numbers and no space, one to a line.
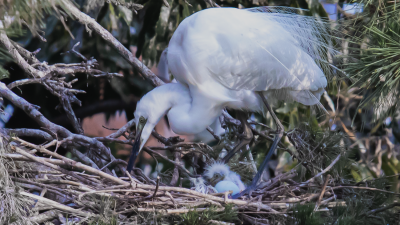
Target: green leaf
(4,73)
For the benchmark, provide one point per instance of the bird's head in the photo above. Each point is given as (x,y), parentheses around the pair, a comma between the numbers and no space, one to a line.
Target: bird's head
(217,172)
(149,110)
(145,123)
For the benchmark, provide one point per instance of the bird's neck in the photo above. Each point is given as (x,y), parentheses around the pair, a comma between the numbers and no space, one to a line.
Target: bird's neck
(188,111)
(191,112)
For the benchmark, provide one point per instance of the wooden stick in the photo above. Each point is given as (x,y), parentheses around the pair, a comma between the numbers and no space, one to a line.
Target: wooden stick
(56,167)
(58,205)
(365,188)
(322,172)
(328,177)
(74,163)
(157,185)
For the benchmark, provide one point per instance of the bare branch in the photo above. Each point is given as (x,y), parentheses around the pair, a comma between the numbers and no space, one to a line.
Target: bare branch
(182,168)
(383,208)
(23,82)
(324,171)
(65,102)
(24,132)
(109,38)
(60,131)
(122,130)
(18,58)
(30,56)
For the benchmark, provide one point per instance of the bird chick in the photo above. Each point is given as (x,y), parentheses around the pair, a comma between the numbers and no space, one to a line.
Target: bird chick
(223,179)
(200,186)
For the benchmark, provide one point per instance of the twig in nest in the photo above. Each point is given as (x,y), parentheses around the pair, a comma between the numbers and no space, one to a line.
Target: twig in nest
(365,188)
(383,208)
(157,185)
(213,134)
(151,152)
(322,172)
(328,177)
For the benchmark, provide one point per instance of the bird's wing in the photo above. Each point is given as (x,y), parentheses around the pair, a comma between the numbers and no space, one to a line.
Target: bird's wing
(162,67)
(261,51)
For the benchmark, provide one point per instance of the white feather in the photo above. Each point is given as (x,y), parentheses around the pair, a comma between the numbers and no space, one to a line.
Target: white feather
(221,168)
(221,58)
(250,50)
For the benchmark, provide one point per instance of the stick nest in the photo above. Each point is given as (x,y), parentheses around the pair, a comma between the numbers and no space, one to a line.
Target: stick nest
(38,190)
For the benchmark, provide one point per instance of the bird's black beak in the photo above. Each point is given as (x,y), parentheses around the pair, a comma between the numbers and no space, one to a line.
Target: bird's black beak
(135,149)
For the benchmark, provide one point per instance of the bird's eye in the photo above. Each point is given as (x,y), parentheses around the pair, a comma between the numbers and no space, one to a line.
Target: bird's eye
(142,120)
(217,175)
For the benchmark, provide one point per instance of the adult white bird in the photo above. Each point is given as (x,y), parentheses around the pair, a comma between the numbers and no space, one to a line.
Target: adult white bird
(233,58)
(223,179)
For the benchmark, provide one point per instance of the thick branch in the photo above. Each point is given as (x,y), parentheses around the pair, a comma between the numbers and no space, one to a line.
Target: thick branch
(18,58)
(23,82)
(83,158)
(46,216)
(32,112)
(60,131)
(24,132)
(109,38)
(25,53)
(70,113)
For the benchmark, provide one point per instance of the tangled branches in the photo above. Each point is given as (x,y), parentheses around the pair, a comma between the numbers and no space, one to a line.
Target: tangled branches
(64,186)
(95,187)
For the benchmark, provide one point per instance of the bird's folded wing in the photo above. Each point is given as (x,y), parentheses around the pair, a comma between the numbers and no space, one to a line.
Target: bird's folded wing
(265,51)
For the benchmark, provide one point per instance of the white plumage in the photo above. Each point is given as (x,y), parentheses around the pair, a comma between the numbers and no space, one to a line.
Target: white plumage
(199,185)
(227,57)
(226,185)
(219,171)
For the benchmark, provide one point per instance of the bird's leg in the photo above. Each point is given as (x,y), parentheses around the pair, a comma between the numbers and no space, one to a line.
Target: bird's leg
(245,139)
(263,166)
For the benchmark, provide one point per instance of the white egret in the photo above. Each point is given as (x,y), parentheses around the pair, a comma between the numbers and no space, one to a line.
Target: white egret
(223,179)
(234,58)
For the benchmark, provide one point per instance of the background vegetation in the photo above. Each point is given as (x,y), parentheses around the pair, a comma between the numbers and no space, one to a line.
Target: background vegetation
(362,99)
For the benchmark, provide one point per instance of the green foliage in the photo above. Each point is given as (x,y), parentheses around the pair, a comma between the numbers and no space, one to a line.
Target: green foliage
(373,59)
(104,206)
(305,215)
(28,13)
(102,221)
(377,68)
(359,204)
(195,217)
(4,73)
(317,149)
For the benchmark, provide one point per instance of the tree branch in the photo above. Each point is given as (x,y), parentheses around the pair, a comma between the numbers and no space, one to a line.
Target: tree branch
(24,132)
(18,58)
(60,131)
(111,40)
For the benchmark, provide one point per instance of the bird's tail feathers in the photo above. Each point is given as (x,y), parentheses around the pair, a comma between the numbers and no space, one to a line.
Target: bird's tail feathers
(314,35)
(319,105)
(305,97)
